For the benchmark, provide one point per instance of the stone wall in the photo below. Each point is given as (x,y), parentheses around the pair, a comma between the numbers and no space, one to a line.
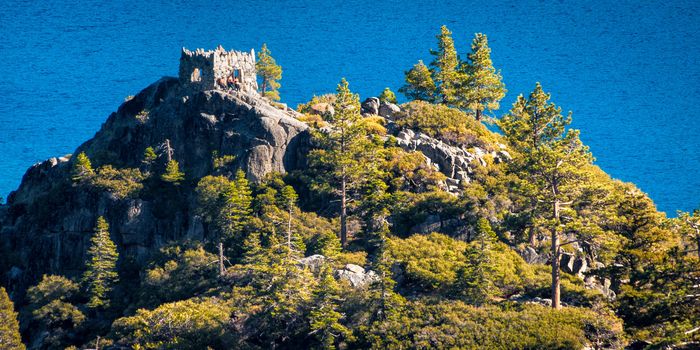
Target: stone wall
(200,69)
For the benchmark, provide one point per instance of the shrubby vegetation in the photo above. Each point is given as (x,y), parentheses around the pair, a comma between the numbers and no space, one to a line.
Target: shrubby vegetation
(445,123)
(255,279)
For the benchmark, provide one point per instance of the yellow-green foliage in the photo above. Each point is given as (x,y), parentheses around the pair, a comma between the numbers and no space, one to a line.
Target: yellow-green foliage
(223,161)
(172,173)
(306,107)
(82,168)
(448,124)
(270,73)
(456,325)
(122,183)
(188,324)
(51,307)
(431,262)
(387,96)
(358,258)
(572,289)
(179,273)
(9,327)
(409,171)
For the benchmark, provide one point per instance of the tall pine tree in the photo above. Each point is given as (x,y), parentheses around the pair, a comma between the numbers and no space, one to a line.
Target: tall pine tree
(553,165)
(343,144)
(82,168)
(10,338)
(269,72)
(101,274)
(483,88)
(419,83)
(445,65)
(324,318)
(237,209)
(475,279)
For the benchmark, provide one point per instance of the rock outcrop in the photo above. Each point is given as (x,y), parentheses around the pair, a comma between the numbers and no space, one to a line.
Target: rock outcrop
(356,276)
(48,221)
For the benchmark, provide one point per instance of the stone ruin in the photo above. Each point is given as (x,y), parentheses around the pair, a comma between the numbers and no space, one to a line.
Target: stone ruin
(208,70)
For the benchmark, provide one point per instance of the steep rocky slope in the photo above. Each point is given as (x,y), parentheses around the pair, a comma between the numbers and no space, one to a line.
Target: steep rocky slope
(48,220)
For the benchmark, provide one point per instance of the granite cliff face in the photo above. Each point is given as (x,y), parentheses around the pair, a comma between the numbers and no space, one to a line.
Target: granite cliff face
(47,222)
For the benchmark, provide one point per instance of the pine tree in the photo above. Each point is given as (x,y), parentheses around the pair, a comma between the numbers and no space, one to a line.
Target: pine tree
(419,83)
(149,156)
(172,173)
(101,274)
(388,301)
(325,319)
(270,73)
(446,65)
(82,168)
(10,338)
(554,163)
(237,210)
(344,144)
(285,291)
(483,87)
(692,220)
(253,252)
(475,279)
(387,96)
(289,198)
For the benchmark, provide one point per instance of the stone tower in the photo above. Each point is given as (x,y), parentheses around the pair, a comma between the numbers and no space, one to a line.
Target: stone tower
(205,70)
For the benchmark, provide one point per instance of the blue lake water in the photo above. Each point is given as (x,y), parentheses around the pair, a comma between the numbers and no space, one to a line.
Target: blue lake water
(627,69)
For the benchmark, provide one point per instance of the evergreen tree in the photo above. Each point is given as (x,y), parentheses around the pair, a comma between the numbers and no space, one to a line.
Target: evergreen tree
(101,274)
(554,163)
(253,253)
(269,72)
(325,319)
(446,65)
(474,280)
(237,210)
(172,173)
(388,301)
(343,146)
(82,168)
(285,289)
(10,338)
(289,198)
(419,83)
(692,220)
(483,87)
(387,96)
(52,307)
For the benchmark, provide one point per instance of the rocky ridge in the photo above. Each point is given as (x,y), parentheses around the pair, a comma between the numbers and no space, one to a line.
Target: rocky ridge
(48,220)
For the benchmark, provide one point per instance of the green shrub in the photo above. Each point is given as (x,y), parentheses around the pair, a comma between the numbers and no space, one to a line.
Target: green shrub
(188,324)
(454,324)
(122,183)
(179,273)
(431,263)
(445,123)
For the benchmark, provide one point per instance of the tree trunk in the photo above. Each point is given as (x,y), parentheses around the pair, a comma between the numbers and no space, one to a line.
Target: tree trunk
(221,259)
(478,115)
(556,282)
(343,214)
(168,150)
(289,232)
(533,237)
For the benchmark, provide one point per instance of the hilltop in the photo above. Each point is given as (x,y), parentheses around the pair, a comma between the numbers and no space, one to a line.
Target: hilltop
(206,213)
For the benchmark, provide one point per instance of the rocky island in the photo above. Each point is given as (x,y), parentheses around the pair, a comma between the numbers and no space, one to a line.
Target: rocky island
(206,214)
